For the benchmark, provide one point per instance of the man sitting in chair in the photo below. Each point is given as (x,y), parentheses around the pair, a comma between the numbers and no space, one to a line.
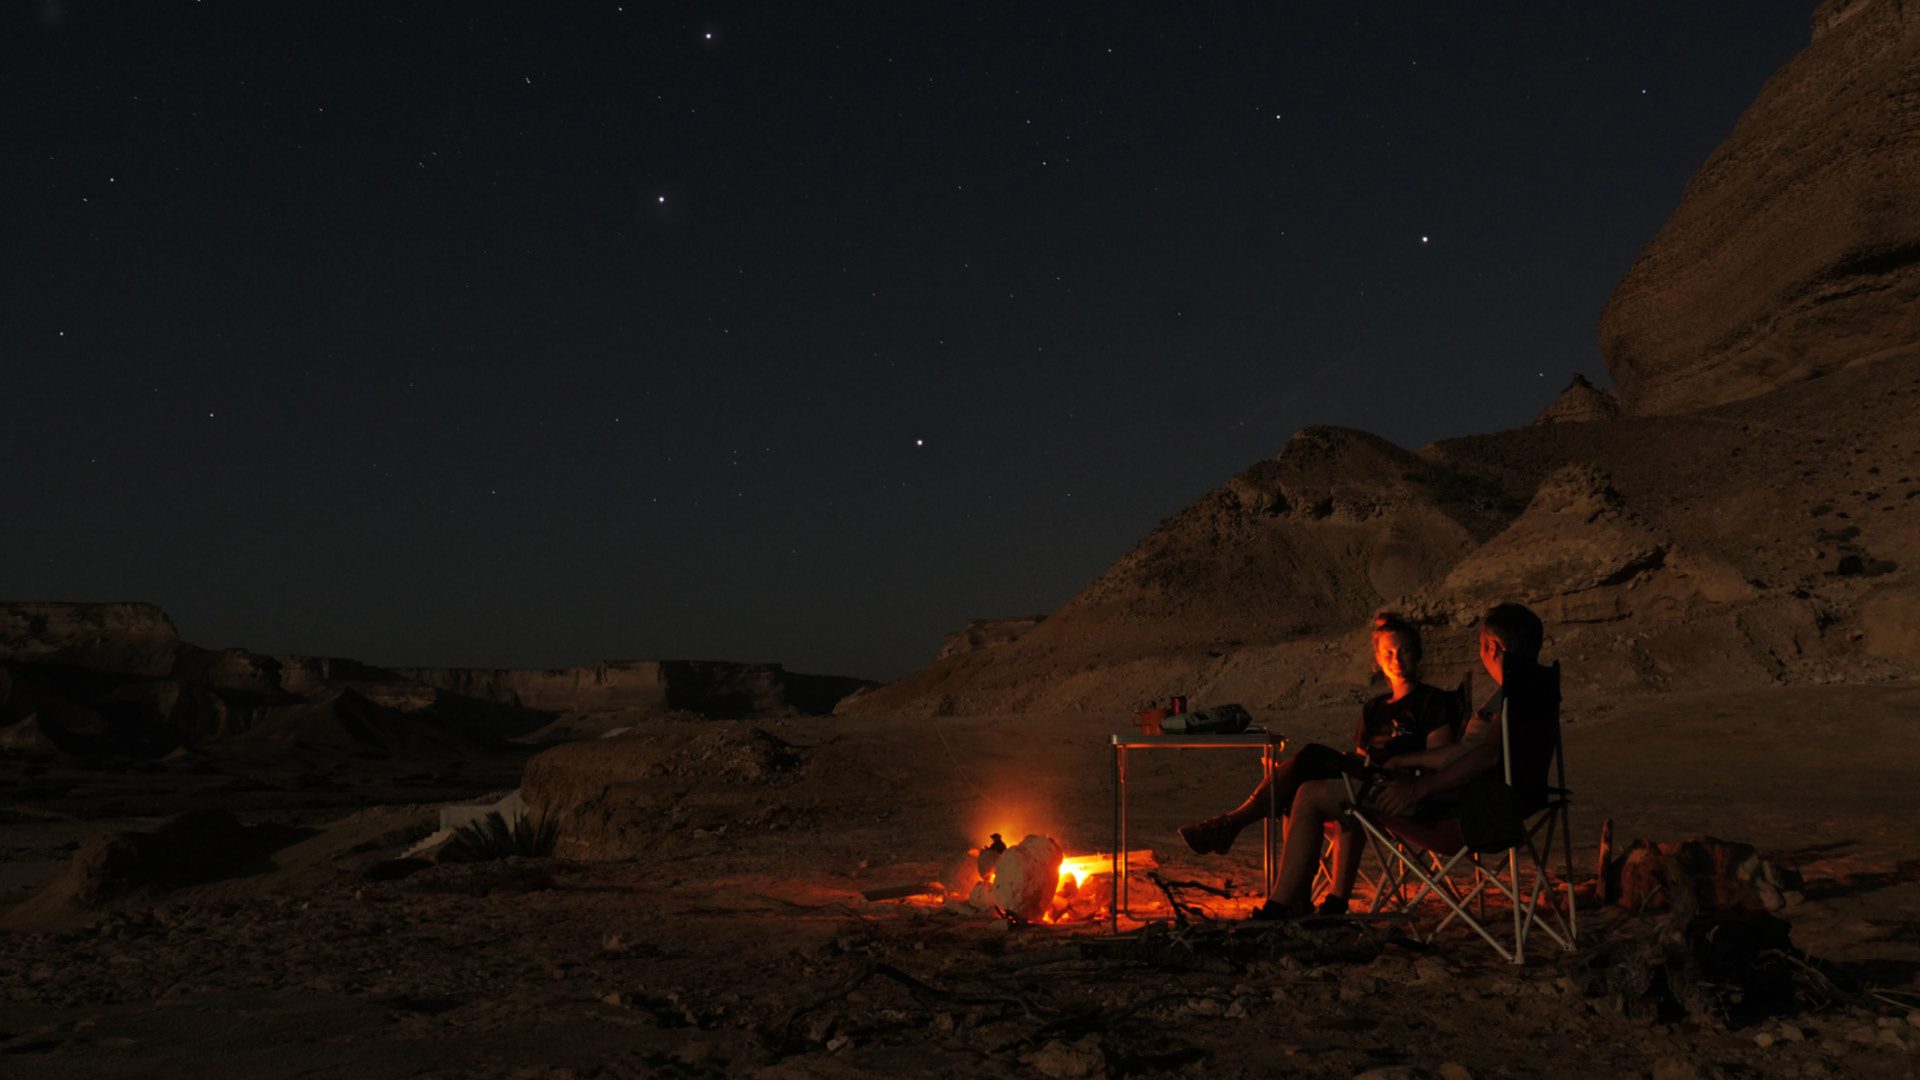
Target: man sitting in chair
(1510,641)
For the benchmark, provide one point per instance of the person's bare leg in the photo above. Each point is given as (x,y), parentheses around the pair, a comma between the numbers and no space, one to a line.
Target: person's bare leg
(1313,806)
(1215,835)
(1348,843)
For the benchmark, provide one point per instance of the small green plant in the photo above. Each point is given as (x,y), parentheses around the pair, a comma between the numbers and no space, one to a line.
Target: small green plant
(494,837)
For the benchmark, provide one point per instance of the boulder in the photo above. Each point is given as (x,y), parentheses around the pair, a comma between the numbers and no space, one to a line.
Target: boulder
(191,849)
(1026,876)
(1701,874)
(1796,248)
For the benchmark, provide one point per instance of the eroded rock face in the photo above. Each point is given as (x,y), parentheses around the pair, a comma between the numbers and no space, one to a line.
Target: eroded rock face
(710,687)
(987,633)
(1796,250)
(131,639)
(1579,554)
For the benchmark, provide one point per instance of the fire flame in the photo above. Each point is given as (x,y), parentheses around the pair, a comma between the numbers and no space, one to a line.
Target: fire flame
(1082,867)
(1077,867)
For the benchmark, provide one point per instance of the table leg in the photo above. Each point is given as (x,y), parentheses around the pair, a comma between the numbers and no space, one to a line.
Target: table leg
(1113,907)
(1122,865)
(1268,829)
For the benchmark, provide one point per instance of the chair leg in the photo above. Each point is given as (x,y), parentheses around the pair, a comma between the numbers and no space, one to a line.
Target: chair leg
(1566,844)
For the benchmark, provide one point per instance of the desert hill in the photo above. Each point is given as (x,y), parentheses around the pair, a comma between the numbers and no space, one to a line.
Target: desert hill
(1796,249)
(1767,541)
(116,681)
(1741,513)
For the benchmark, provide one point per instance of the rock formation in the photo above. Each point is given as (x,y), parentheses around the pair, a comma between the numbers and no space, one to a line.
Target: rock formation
(115,680)
(1796,249)
(980,634)
(1763,541)
(635,793)
(1581,402)
(708,687)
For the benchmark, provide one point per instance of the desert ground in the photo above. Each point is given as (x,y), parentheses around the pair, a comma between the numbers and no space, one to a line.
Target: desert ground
(747,948)
(220,862)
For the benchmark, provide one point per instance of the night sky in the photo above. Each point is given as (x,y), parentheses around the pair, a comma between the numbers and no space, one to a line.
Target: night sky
(491,334)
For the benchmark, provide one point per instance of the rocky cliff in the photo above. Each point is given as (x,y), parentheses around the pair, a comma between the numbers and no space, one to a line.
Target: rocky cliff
(115,680)
(1796,249)
(712,688)
(1771,540)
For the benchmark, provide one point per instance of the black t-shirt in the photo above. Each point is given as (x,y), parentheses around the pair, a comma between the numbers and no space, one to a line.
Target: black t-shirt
(1389,728)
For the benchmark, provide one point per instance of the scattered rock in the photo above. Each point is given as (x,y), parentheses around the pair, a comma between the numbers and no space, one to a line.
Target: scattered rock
(1069,1061)
(1671,1068)
(1715,875)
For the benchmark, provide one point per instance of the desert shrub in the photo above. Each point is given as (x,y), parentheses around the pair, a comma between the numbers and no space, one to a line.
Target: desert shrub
(494,837)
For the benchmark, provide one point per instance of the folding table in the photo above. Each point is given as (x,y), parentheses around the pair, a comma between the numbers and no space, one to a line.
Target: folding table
(1271,745)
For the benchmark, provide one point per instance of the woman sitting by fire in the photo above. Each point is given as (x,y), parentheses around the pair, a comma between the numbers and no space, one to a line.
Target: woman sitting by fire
(1410,716)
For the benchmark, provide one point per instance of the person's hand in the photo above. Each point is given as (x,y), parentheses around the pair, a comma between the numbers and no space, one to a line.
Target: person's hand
(1399,798)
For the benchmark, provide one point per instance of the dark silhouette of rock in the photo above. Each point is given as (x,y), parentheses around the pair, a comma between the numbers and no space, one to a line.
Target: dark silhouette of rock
(1796,250)
(129,639)
(708,687)
(116,681)
(191,849)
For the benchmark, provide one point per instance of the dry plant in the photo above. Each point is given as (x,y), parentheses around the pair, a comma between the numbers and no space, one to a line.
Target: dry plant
(494,837)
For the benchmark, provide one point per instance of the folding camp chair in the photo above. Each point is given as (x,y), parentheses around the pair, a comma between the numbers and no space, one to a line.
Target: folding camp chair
(1529,814)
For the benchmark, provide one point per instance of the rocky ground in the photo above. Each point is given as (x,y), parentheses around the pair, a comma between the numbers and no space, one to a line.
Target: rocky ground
(738,943)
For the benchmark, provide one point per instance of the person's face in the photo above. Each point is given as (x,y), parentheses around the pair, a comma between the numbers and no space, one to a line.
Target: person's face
(1395,657)
(1493,657)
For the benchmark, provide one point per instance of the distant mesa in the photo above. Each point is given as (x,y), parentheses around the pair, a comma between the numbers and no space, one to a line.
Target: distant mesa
(1796,249)
(116,681)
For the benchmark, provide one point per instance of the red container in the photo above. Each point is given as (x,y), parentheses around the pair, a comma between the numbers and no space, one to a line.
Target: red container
(1177,704)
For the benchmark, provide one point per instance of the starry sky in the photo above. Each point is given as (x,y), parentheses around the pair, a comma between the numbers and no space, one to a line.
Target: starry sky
(514,334)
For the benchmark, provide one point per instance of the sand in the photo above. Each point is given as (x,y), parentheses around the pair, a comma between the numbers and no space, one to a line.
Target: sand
(750,951)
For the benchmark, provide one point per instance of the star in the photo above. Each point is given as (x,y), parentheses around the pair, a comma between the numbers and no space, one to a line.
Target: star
(663,198)
(1424,239)
(919,442)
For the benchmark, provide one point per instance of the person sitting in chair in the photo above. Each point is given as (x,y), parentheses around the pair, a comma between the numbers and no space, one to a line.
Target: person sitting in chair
(1411,717)
(1510,642)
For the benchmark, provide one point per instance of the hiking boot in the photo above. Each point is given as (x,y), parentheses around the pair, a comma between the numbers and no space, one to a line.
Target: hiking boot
(1331,905)
(1213,836)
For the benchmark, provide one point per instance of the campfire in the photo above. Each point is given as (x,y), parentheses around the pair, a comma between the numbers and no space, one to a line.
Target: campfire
(1035,881)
